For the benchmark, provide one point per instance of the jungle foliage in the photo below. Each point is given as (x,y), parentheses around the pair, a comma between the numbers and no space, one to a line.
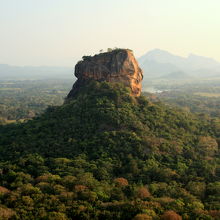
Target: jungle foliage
(107,155)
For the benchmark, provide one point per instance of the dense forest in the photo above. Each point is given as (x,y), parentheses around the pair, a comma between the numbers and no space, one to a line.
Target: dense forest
(25,99)
(107,155)
(202,97)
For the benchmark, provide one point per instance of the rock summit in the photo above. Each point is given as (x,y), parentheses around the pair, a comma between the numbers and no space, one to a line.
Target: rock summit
(119,66)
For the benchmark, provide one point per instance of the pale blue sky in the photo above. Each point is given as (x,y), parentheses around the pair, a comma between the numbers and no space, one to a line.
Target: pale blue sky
(60,32)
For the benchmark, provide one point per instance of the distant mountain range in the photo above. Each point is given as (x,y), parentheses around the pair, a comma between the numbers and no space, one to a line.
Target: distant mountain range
(8,72)
(162,64)
(155,64)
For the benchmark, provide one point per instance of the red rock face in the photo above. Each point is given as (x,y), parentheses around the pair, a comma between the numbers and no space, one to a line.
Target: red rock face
(117,66)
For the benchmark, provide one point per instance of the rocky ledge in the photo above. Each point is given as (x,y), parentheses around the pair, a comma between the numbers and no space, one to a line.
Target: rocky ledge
(118,66)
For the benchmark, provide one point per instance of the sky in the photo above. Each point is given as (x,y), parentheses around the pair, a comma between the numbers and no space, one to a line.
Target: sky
(60,32)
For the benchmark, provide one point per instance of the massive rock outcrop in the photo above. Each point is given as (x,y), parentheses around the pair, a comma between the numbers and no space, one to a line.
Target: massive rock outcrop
(118,66)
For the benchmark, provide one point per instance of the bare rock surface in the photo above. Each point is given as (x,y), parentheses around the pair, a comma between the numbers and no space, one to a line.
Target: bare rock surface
(118,66)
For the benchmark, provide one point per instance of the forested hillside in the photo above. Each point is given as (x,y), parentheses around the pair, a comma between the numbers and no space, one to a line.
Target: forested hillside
(107,155)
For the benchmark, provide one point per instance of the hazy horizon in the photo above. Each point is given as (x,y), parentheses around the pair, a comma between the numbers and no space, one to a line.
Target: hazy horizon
(59,33)
(70,66)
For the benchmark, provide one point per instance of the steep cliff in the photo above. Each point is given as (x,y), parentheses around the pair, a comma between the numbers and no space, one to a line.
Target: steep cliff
(118,65)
